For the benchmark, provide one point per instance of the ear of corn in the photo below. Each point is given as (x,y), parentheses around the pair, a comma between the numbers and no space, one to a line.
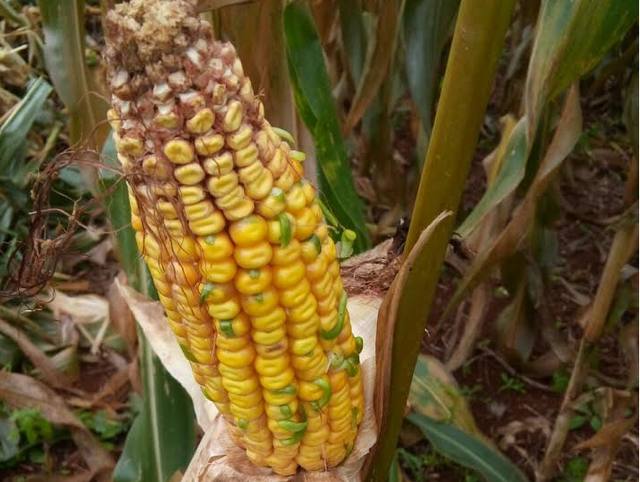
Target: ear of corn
(234,239)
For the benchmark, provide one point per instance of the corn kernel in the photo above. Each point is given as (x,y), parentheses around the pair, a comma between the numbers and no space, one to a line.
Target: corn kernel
(208,145)
(201,122)
(219,165)
(179,151)
(189,174)
(233,116)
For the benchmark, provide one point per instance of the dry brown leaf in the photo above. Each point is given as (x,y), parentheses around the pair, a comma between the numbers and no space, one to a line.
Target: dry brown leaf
(40,360)
(121,316)
(100,252)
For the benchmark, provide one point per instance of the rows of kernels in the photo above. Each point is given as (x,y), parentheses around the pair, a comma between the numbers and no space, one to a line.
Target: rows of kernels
(260,301)
(225,256)
(267,285)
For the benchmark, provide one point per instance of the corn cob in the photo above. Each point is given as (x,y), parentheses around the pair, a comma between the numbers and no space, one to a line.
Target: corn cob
(234,239)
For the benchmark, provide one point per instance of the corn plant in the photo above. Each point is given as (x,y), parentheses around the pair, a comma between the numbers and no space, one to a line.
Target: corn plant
(212,106)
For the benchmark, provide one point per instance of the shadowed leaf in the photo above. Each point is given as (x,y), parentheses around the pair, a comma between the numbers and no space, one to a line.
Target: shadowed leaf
(467,450)
(426,27)
(317,108)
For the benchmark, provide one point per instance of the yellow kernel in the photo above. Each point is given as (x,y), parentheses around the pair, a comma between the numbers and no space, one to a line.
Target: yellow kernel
(199,210)
(231,199)
(232,343)
(242,209)
(178,151)
(273,205)
(189,174)
(224,311)
(273,351)
(316,269)
(323,287)
(191,194)
(202,356)
(250,173)
(217,293)
(182,274)
(207,226)
(283,256)
(184,295)
(254,256)
(309,391)
(216,247)
(277,164)
(277,398)
(130,146)
(287,179)
(219,165)
(201,122)
(166,121)
(239,358)
(155,168)
(279,380)
(268,337)
(304,311)
(239,374)
(309,191)
(136,222)
(271,366)
(295,295)
(304,329)
(270,321)
(305,224)
(246,156)
(221,185)
(221,271)
(240,325)
(251,282)
(295,198)
(260,304)
(285,276)
(209,144)
(233,116)
(275,229)
(261,187)
(167,209)
(248,231)
(184,248)
(322,232)
(240,138)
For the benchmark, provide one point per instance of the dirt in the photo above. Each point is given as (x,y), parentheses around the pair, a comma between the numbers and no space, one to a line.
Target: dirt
(591,190)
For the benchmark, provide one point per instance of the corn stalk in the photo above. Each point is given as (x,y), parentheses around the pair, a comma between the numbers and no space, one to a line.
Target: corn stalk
(477,43)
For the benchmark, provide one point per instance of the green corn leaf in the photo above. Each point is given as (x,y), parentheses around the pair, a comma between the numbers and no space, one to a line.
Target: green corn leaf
(426,27)
(571,38)
(78,85)
(14,130)
(317,108)
(354,36)
(467,450)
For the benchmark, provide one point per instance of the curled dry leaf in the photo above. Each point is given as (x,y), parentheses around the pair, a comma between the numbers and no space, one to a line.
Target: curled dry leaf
(83,310)
(22,391)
